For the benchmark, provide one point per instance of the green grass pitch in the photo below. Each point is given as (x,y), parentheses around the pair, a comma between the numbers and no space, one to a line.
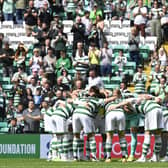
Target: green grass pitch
(41,163)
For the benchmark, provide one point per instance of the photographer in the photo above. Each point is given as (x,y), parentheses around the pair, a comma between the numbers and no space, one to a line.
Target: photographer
(133,42)
(30,17)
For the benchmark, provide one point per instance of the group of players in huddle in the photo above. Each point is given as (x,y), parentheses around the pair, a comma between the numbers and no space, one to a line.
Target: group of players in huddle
(84,111)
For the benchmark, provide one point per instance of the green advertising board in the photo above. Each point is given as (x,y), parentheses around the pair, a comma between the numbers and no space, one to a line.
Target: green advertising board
(20,145)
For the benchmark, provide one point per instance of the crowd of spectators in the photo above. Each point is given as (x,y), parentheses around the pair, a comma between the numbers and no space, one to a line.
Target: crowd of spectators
(49,70)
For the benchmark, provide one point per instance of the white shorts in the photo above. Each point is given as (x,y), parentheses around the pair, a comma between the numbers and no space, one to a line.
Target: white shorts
(48,124)
(154,120)
(60,125)
(165,119)
(100,124)
(115,121)
(80,121)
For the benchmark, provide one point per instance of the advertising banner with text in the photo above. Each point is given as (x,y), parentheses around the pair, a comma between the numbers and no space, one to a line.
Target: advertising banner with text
(19,145)
(116,151)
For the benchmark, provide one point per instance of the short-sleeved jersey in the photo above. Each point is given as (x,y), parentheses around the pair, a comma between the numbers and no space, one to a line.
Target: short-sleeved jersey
(63,109)
(91,108)
(115,102)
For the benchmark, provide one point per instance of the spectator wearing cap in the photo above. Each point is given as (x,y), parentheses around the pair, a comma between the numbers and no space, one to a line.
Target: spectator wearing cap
(95,11)
(8,9)
(59,42)
(54,26)
(78,29)
(45,13)
(6,59)
(62,62)
(20,55)
(36,61)
(30,17)
(139,80)
(20,6)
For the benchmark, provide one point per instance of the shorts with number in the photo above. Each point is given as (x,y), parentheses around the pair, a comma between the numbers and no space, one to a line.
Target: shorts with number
(60,124)
(154,120)
(115,121)
(100,124)
(48,124)
(80,121)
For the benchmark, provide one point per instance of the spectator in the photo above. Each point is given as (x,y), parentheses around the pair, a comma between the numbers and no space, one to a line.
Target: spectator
(20,55)
(6,59)
(79,31)
(94,80)
(13,127)
(106,60)
(59,42)
(119,9)
(123,89)
(30,17)
(37,98)
(45,47)
(60,85)
(56,6)
(49,63)
(162,58)
(88,24)
(81,61)
(154,60)
(33,85)
(1,40)
(29,96)
(164,23)
(95,12)
(20,7)
(140,17)
(40,3)
(80,9)
(45,13)
(154,78)
(161,89)
(94,57)
(66,78)
(20,76)
(100,28)
(62,62)
(56,23)
(36,61)
(2,103)
(8,9)
(10,110)
(120,61)
(155,15)
(139,80)
(133,42)
(31,117)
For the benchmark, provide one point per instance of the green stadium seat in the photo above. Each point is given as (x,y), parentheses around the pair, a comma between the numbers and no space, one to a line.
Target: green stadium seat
(111,86)
(130,65)
(5,80)
(3,124)
(106,79)
(117,48)
(7,87)
(145,51)
(4,130)
(116,80)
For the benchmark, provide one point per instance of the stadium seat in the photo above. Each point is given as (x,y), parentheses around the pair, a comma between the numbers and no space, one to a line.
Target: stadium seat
(5,80)
(116,80)
(111,86)
(145,51)
(3,124)
(106,79)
